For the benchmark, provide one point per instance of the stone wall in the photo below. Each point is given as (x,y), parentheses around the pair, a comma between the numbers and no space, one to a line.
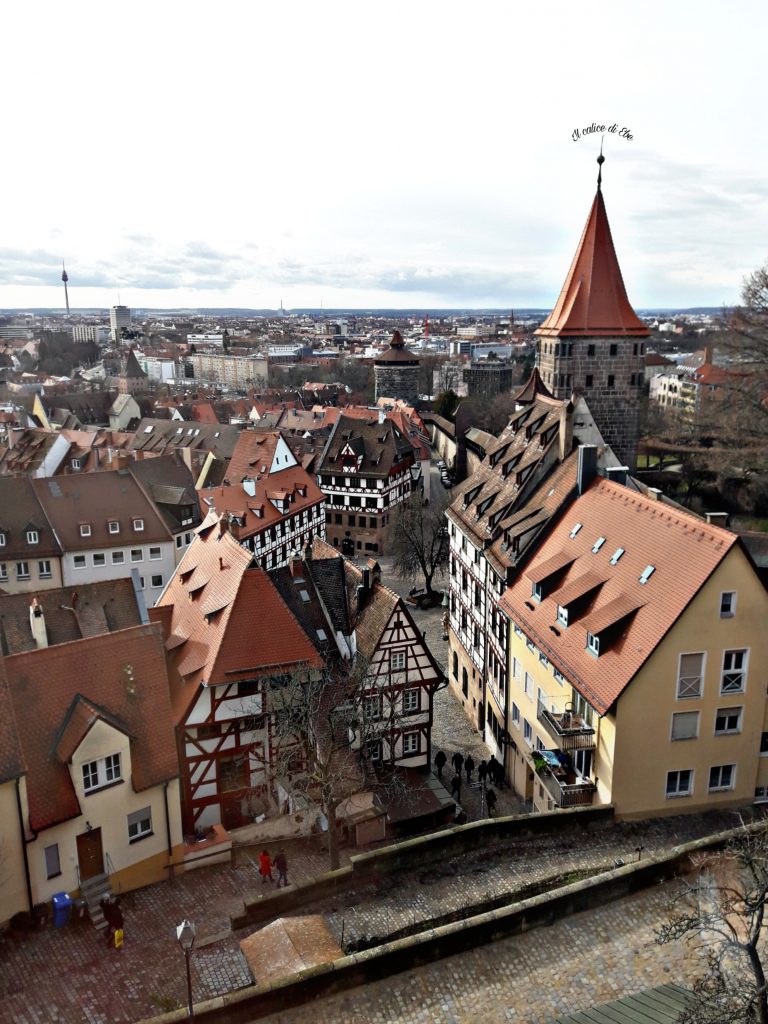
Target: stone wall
(259,1001)
(397,380)
(585,366)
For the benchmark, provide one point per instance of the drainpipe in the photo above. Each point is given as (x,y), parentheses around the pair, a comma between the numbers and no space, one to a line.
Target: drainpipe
(24,841)
(168,828)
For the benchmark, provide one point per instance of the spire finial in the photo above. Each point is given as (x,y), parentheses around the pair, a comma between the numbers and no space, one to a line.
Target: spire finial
(600,162)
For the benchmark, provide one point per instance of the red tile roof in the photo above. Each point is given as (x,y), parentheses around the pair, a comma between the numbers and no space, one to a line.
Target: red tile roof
(227,619)
(684,551)
(593,301)
(43,685)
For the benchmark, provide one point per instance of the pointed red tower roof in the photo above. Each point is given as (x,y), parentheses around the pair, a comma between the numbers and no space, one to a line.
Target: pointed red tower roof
(593,301)
(533,388)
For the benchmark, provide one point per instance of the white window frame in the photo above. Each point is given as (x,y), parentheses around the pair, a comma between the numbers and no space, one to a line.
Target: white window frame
(411,744)
(138,525)
(3,572)
(96,555)
(2,539)
(729,712)
(528,685)
(105,771)
(372,708)
(157,576)
(22,571)
(79,562)
(137,552)
(85,529)
(593,644)
(141,822)
(44,570)
(118,558)
(155,557)
(515,714)
(721,787)
(113,526)
(679,715)
(742,672)
(731,611)
(678,793)
(411,700)
(397,661)
(33,537)
(701,676)
(527,732)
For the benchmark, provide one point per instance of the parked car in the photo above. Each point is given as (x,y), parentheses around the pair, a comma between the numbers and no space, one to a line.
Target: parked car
(441,464)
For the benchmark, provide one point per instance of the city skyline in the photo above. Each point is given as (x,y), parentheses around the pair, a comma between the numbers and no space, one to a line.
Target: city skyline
(320,158)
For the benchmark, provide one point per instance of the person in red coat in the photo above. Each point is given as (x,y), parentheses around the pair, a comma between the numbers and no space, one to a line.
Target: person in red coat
(265,867)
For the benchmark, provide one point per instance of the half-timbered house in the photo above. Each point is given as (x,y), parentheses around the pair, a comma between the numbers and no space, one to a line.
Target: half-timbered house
(235,632)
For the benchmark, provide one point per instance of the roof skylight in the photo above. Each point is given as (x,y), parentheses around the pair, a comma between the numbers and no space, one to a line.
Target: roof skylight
(575,530)
(616,555)
(598,544)
(647,572)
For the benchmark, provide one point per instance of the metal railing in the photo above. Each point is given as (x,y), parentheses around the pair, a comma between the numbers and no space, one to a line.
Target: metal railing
(564,794)
(569,730)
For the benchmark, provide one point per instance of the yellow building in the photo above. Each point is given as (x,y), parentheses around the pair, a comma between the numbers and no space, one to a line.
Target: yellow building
(636,662)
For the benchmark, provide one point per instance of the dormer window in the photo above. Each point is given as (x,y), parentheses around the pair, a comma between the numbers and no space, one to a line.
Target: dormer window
(76,464)
(536,592)
(33,537)
(562,615)
(593,644)
(85,529)
(2,539)
(138,525)
(113,526)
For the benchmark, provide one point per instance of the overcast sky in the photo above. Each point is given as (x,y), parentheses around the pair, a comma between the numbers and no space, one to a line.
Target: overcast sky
(404,154)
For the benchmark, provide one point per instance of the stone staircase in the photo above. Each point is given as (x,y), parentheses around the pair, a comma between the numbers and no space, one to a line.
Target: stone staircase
(93,890)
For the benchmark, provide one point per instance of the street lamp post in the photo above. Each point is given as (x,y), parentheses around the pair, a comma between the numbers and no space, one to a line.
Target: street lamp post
(185,935)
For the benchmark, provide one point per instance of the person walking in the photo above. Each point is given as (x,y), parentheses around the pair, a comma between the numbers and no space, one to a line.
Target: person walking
(440,760)
(265,867)
(490,799)
(281,863)
(456,787)
(482,772)
(457,761)
(469,766)
(493,770)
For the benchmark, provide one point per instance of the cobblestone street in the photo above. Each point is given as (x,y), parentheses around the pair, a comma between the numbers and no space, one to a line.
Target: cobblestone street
(527,979)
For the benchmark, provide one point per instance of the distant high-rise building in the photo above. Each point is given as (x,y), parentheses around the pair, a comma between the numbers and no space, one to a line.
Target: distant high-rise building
(593,343)
(119,321)
(65,278)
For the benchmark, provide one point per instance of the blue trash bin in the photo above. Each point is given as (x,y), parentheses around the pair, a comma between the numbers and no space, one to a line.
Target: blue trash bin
(62,908)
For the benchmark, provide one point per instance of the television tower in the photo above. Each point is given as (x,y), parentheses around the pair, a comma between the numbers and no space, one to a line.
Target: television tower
(65,278)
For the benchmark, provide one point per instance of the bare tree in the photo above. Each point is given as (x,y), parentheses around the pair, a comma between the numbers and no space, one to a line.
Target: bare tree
(419,539)
(330,729)
(722,915)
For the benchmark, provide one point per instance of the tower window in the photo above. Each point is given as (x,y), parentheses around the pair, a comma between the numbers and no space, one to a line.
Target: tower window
(589,380)
(614,350)
(590,350)
(611,380)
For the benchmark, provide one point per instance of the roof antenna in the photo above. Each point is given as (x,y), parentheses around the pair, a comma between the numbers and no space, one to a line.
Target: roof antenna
(600,162)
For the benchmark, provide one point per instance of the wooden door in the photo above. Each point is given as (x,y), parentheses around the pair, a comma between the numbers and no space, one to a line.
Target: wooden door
(90,856)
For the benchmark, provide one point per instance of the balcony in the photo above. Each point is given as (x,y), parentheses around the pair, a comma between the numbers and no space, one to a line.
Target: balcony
(569,730)
(556,773)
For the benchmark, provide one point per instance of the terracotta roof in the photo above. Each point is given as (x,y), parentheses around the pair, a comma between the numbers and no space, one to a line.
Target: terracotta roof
(593,301)
(11,761)
(81,717)
(43,685)
(227,619)
(157,435)
(683,550)
(70,613)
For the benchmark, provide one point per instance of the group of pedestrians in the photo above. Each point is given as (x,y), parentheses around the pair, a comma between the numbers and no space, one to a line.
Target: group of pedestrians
(490,772)
(280,864)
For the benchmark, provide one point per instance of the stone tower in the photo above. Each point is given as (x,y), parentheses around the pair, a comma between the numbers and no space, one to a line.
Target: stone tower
(397,372)
(593,343)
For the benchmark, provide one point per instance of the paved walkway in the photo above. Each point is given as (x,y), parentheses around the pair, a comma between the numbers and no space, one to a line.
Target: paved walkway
(528,979)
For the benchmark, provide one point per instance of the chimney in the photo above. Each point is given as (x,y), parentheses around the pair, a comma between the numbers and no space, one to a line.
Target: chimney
(565,437)
(618,474)
(708,354)
(654,493)
(249,486)
(717,518)
(587,466)
(296,566)
(37,624)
